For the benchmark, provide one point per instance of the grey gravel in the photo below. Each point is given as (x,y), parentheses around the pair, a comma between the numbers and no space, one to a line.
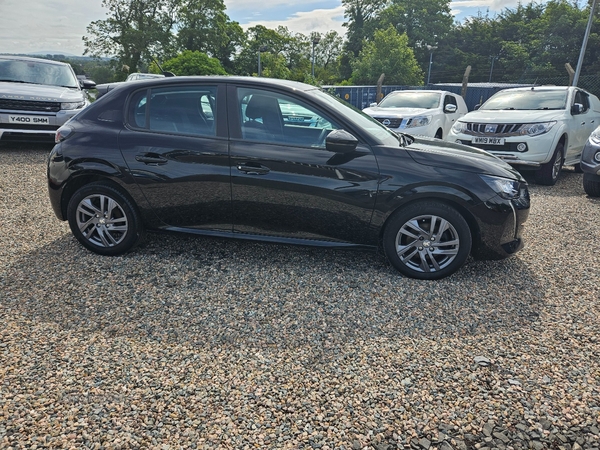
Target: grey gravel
(190,342)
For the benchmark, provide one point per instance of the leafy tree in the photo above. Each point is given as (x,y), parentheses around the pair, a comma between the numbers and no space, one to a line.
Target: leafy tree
(361,22)
(194,63)
(387,53)
(204,26)
(133,31)
(425,22)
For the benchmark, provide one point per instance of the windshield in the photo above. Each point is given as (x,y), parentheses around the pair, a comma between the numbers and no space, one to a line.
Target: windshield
(376,130)
(35,72)
(427,100)
(527,100)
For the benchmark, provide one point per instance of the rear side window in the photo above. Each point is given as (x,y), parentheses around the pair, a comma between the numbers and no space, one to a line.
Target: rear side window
(178,110)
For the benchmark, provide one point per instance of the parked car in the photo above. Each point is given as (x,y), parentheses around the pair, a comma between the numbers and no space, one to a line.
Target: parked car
(540,128)
(105,87)
(419,112)
(143,76)
(37,96)
(148,157)
(590,164)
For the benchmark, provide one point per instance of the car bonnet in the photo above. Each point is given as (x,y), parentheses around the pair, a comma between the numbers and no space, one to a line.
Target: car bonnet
(443,154)
(39,92)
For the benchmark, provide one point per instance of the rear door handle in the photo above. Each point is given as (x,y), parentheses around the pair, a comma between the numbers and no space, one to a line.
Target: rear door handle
(151,158)
(253,169)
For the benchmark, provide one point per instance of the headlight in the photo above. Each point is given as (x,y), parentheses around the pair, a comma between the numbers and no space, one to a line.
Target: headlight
(595,136)
(459,127)
(505,188)
(72,105)
(535,129)
(419,121)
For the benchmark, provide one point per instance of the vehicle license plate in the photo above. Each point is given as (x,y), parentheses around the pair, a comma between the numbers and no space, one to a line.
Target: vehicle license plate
(29,120)
(488,140)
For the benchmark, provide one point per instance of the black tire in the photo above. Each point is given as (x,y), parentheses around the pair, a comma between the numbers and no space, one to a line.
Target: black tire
(549,172)
(427,240)
(104,220)
(590,186)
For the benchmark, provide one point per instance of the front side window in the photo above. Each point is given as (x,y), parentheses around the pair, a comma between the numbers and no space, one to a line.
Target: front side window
(583,99)
(176,109)
(273,117)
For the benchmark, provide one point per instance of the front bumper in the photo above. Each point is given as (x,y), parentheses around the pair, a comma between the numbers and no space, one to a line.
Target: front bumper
(515,150)
(500,222)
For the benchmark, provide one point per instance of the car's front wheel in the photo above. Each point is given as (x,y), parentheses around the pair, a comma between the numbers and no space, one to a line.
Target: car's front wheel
(104,220)
(427,240)
(548,173)
(591,186)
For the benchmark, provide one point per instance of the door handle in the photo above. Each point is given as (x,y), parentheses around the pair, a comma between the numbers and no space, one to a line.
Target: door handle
(151,158)
(253,169)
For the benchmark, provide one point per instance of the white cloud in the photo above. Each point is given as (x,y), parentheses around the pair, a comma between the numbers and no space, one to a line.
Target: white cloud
(320,20)
(50,25)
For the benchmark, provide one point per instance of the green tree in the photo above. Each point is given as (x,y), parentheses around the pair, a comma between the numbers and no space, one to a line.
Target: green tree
(194,63)
(390,54)
(204,26)
(361,20)
(134,31)
(425,22)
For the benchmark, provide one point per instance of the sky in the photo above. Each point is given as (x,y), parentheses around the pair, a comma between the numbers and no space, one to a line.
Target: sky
(57,26)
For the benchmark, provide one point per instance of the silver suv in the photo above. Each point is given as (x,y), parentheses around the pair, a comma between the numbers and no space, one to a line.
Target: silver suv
(37,96)
(590,164)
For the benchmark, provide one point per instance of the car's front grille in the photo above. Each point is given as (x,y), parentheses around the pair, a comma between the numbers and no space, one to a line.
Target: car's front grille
(29,105)
(493,129)
(390,122)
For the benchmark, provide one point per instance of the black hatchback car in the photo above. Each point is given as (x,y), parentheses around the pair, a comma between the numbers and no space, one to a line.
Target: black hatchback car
(215,156)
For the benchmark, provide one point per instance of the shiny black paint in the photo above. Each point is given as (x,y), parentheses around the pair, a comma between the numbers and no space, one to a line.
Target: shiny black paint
(227,186)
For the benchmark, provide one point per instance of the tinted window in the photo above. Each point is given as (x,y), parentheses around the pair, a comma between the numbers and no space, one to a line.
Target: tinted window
(180,109)
(583,99)
(273,117)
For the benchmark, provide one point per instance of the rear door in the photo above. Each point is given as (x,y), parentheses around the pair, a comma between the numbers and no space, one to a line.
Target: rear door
(175,144)
(284,182)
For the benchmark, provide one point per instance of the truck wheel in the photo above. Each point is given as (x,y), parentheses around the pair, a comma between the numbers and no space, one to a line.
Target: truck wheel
(548,173)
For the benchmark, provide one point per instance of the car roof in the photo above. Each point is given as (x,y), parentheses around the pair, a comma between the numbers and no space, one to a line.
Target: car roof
(250,81)
(31,59)
(434,91)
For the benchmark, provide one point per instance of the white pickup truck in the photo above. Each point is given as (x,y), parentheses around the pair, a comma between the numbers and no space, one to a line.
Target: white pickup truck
(540,128)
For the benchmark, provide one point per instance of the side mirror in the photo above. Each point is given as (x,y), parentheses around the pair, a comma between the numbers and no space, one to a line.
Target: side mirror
(450,108)
(87,84)
(477,106)
(340,141)
(371,105)
(577,108)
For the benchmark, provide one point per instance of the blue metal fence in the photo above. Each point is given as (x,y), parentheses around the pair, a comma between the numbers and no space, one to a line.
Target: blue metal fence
(362,96)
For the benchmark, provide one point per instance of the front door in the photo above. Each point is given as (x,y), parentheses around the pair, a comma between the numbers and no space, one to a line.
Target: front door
(285,183)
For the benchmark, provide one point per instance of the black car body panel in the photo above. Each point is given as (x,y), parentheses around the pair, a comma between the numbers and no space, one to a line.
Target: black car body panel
(223,181)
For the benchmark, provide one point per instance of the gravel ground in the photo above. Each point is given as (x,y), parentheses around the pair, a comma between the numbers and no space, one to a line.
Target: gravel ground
(200,343)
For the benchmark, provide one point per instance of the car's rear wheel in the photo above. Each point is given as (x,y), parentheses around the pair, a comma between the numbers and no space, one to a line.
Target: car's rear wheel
(104,220)
(427,240)
(590,186)
(548,173)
